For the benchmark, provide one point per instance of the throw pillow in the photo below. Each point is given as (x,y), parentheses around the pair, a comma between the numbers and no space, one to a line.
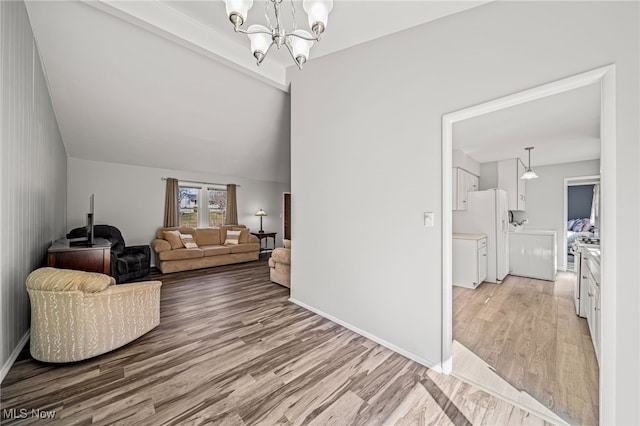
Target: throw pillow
(233,237)
(287,244)
(188,241)
(577,225)
(173,237)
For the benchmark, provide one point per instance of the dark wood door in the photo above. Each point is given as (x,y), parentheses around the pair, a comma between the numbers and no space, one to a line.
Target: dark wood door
(287,216)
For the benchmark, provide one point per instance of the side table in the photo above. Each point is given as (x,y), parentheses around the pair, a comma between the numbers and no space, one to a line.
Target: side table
(266,235)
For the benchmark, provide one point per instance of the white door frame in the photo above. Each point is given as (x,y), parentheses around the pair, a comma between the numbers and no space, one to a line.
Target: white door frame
(605,77)
(572,181)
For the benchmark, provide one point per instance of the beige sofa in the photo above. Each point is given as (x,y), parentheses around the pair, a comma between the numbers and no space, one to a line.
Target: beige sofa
(77,315)
(280,265)
(210,249)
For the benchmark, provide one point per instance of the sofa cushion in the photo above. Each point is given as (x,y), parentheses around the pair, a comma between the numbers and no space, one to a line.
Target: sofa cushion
(287,243)
(245,248)
(281,255)
(208,236)
(174,239)
(244,235)
(188,241)
(183,253)
(244,232)
(53,279)
(232,238)
(181,229)
(215,250)
(131,262)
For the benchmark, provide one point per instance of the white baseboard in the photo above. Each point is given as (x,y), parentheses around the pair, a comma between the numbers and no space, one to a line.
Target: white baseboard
(427,363)
(7,365)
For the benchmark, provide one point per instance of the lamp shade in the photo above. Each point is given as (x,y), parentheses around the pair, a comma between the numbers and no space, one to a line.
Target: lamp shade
(300,47)
(318,13)
(529,174)
(260,41)
(238,7)
(261,213)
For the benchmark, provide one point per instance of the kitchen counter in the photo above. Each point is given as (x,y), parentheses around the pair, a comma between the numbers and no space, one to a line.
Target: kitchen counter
(469,259)
(533,232)
(532,254)
(469,236)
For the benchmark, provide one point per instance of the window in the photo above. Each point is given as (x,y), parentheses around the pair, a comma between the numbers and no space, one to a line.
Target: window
(194,211)
(188,210)
(217,206)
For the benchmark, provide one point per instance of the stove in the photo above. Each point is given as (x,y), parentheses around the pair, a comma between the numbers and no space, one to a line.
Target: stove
(580,291)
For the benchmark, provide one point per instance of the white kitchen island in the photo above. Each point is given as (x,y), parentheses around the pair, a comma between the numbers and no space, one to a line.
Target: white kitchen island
(532,254)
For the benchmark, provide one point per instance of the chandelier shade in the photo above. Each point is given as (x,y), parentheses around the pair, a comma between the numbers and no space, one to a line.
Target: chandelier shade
(318,13)
(300,46)
(238,10)
(261,41)
(297,41)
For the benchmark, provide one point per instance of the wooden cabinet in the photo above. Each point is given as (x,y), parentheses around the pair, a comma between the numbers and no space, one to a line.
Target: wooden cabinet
(469,259)
(95,258)
(532,254)
(463,183)
(509,172)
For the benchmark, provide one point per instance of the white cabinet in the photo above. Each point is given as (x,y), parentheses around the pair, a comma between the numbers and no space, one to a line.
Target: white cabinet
(591,278)
(469,259)
(509,172)
(463,183)
(532,254)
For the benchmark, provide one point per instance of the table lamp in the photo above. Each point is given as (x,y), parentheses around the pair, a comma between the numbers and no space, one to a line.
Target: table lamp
(261,213)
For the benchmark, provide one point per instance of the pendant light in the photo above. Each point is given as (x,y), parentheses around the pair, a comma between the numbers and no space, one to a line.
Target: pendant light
(529,174)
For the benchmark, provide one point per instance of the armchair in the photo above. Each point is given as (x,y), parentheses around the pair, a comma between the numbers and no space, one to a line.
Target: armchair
(77,315)
(127,263)
(280,265)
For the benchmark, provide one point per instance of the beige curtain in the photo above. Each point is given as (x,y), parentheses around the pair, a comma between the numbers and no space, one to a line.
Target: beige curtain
(232,205)
(171,204)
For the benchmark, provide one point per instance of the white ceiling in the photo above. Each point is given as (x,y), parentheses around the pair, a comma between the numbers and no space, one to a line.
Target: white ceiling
(169,84)
(562,128)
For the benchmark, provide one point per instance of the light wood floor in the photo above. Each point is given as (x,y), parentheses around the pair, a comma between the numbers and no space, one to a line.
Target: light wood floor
(528,331)
(231,349)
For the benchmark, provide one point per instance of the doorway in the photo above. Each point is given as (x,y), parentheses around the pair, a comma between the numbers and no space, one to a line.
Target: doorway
(286,217)
(605,77)
(578,203)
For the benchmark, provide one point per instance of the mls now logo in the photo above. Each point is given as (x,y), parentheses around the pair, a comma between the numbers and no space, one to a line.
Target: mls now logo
(23,413)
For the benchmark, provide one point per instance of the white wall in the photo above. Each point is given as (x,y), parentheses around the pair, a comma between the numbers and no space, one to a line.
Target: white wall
(32,178)
(132,198)
(488,175)
(545,198)
(366,164)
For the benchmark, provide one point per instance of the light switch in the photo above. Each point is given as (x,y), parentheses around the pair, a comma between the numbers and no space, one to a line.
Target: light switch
(428,219)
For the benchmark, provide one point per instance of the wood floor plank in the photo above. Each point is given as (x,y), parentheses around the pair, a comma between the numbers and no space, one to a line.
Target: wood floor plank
(232,350)
(529,333)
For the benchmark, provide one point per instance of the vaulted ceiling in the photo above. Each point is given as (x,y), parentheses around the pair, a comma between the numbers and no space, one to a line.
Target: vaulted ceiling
(169,84)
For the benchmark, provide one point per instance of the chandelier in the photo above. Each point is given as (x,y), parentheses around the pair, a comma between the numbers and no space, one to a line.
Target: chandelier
(298,42)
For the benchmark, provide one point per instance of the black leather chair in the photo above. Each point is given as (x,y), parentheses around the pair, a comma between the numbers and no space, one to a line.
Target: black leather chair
(127,263)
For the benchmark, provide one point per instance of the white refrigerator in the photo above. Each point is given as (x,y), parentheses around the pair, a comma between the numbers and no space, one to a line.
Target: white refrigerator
(487,214)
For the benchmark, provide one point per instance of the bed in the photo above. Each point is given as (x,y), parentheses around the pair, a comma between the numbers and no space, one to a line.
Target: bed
(576,228)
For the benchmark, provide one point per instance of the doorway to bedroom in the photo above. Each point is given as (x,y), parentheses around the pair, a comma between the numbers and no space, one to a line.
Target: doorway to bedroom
(581,207)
